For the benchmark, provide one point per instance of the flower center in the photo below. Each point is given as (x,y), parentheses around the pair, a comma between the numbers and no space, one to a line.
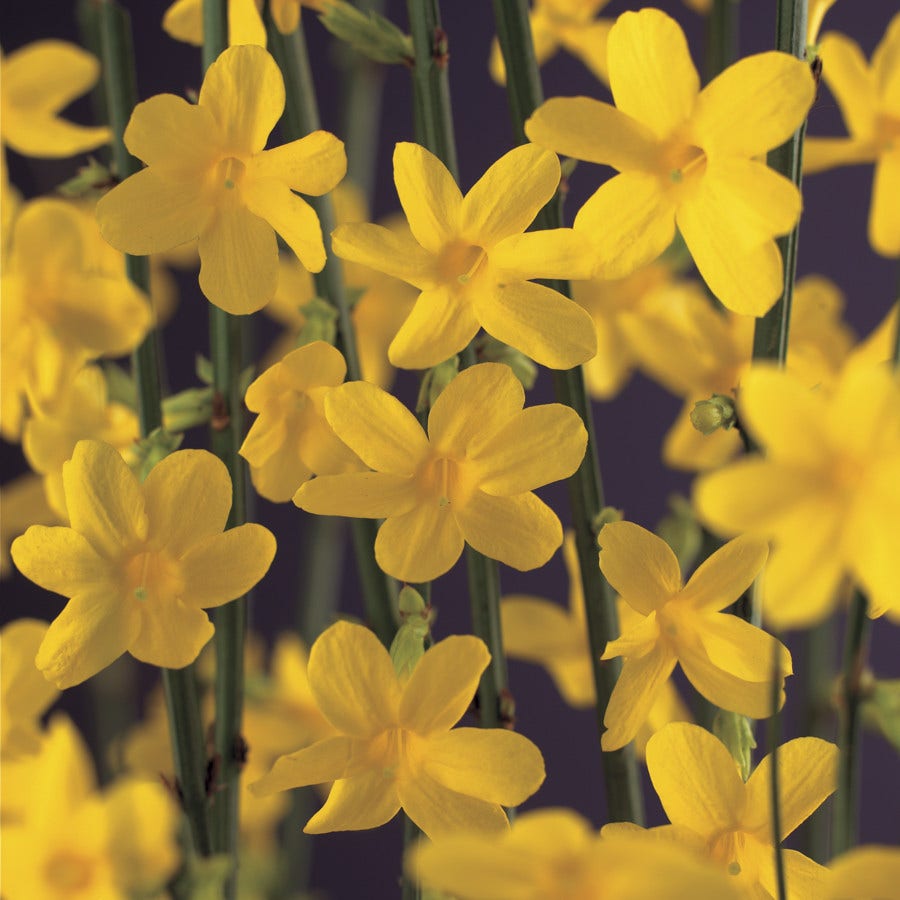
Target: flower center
(68,872)
(681,163)
(445,480)
(846,473)
(887,132)
(152,576)
(460,261)
(230,173)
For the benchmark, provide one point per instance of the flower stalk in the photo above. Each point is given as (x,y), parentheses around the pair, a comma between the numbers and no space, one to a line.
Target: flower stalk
(774,739)
(179,685)
(525,94)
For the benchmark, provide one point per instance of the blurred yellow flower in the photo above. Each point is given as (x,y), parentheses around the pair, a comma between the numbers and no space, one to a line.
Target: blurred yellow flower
(183,20)
(291,440)
(728,660)
(686,157)
(869,872)
(470,479)
(396,746)
(140,562)
(472,262)
(23,503)
(827,491)
(208,176)
(869,98)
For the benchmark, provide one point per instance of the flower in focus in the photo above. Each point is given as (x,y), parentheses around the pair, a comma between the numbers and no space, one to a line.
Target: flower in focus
(472,262)
(869,99)
(864,873)
(25,694)
(568,24)
(541,632)
(24,503)
(290,439)
(209,176)
(59,311)
(555,853)
(728,660)
(701,790)
(396,746)
(140,562)
(67,840)
(470,479)
(827,491)
(36,82)
(686,157)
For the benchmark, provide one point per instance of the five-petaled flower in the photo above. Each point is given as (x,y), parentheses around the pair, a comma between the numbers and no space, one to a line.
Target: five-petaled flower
(140,562)
(469,479)
(728,660)
(208,176)
(686,157)
(473,264)
(396,746)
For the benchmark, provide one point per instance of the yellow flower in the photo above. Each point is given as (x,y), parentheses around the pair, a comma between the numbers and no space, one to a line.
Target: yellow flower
(82,411)
(209,177)
(183,20)
(140,562)
(701,790)
(726,659)
(290,439)
(815,17)
(554,854)
(869,99)
(865,873)
(472,263)
(827,491)
(396,746)
(36,82)
(59,311)
(686,157)
(24,503)
(469,479)
(541,632)
(70,842)
(25,694)
(568,24)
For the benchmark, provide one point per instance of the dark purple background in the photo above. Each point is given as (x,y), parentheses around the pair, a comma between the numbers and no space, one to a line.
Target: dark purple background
(629,429)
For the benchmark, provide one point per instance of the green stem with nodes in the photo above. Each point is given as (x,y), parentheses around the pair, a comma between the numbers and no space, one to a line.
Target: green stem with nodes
(621,776)
(846,800)
(301,117)
(182,702)
(770,337)
(774,739)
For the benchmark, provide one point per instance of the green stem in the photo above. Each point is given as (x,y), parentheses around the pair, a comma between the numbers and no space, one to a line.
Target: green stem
(621,776)
(182,702)
(721,36)
(846,801)
(775,795)
(770,337)
(484,593)
(301,117)
(410,889)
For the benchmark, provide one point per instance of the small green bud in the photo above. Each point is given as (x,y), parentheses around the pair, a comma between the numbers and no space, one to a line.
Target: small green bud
(153,448)
(320,324)
(120,386)
(709,415)
(492,350)
(567,166)
(434,381)
(187,409)
(881,708)
(605,516)
(92,178)
(368,32)
(734,731)
(408,645)
(681,531)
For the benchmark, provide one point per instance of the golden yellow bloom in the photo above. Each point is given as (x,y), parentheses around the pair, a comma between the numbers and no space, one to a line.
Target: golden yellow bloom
(396,746)
(728,660)
(140,562)
(686,157)
(208,176)
(470,479)
(869,98)
(23,503)
(865,873)
(827,491)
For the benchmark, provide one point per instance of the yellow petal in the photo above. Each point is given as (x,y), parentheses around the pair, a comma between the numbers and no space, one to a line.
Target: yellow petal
(696,779)
(286,14)
(754,105)
(807,777)
(640,566)
(553,330)
(870,871)
(312,165)
(238,261)
(588,42)
(442,684)
(60,560)
(183,21)
(551,253)
(386,250)
(171,636)
(726,574)
(362,801)
(419,545)
(807,878)
(95,629)
(640,634)
(33,133)
(741,649)
(440,325)
(244,91)
(539,445)
(489,763)
(428,194)
(188,497)
(853,84)
(630,221)
(520,531)
(326,760)
(829,153)
(314,365)
(245,24)
(226,566)
(506,199)
(651,74)
(439,811)
(363,495)
(884,219)
(353,680)
(278,477)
